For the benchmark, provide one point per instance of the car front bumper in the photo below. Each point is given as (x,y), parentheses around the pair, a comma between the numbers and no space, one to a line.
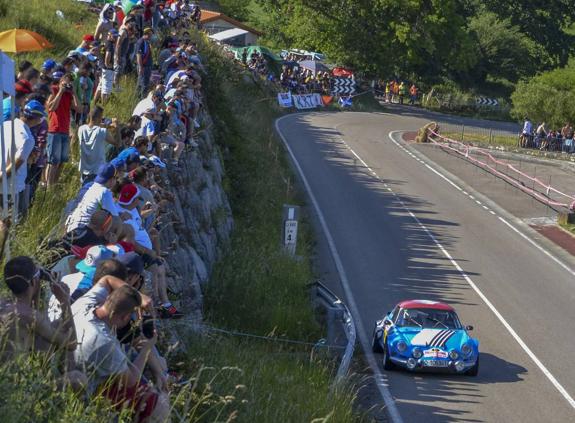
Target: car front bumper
(420,366)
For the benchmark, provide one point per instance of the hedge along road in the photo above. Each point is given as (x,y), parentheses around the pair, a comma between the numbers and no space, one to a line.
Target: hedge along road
(401,230)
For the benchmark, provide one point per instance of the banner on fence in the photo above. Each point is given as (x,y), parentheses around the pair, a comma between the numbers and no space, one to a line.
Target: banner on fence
(285,99)
(345,102)
(307,101)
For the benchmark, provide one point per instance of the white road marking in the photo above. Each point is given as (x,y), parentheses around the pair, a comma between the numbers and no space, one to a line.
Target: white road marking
(380,381)
(507,326)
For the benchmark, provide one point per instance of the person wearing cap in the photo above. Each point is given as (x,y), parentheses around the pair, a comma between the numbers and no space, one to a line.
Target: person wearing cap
(16,172)
(129,200)
(97,197)
(60,104)
(48,68)
(82,279)
(145,61)
(93,138)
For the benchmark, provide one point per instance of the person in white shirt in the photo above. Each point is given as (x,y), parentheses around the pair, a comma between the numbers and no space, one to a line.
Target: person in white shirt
(128,200)
(97,197)
(17,171)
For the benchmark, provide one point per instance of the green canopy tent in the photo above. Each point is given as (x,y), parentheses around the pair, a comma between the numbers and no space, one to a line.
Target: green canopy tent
(260,49)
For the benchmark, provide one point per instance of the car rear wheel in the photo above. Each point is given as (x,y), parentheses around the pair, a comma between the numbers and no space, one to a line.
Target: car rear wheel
(376,344)
(387,363)
(473,371)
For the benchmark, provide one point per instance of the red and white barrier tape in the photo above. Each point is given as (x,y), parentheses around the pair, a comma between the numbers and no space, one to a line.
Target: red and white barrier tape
(464,149)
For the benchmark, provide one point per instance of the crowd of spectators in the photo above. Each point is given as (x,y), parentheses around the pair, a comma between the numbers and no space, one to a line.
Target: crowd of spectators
(299,80)
(109,285)
(396,91)
(543,138)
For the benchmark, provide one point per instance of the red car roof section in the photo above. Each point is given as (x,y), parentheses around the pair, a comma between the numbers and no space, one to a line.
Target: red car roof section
(425,304)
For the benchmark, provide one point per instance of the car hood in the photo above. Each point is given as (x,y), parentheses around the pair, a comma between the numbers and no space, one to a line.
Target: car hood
(440,338)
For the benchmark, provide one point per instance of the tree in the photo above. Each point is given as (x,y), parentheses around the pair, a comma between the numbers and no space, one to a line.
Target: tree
(505,52)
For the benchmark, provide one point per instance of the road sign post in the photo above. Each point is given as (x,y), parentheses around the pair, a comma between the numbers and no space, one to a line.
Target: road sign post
(290,228)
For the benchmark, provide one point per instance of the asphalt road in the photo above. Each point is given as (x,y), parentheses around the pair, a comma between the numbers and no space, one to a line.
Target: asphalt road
(386,229)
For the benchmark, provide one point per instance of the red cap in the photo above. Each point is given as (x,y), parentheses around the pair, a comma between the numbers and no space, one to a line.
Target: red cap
(23,86)
(89,38)
(128,193)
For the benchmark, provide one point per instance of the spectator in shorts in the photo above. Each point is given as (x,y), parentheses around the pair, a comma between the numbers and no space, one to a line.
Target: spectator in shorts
(93,138)
(101,354)
(129,200)
(107,80)
(60,104)
(105,23)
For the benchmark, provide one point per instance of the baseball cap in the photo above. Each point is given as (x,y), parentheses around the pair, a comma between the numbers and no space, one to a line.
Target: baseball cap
(114,32)
(88,38)
(94,255)
(23,86)
(34,109)
(148,30)
(56,76)
(128,194)
(133,262)
(105,172)
(48,64)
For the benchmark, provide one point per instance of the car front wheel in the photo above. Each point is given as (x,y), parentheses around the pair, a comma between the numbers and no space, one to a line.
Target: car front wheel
(387,363)
(473,371)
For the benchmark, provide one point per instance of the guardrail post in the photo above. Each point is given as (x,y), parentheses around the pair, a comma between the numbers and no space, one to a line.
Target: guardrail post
(462,132)
(290,228)
(490,135)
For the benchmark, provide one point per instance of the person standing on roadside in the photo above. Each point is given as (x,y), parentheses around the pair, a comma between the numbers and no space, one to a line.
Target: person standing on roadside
(144,61)
(121,52)
(412,94)
(60,104)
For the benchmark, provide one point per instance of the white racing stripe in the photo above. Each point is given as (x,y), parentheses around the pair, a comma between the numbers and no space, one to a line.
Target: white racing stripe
(380,380)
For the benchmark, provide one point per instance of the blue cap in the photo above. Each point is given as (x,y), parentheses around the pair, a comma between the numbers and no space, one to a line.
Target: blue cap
(105,172)
(56,76)
(34,109)
(49,64)
(133,262)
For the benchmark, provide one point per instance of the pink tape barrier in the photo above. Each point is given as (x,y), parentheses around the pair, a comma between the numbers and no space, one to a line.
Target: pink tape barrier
(464,150)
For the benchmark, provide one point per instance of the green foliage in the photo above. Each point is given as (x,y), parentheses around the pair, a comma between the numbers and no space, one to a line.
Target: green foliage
(504,51)
(548,97)
(237,9)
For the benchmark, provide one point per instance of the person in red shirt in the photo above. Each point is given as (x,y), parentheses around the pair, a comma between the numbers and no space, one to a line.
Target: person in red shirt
(60,104)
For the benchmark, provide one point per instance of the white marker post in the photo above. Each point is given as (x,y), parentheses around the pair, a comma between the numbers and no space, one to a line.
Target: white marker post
(290,227)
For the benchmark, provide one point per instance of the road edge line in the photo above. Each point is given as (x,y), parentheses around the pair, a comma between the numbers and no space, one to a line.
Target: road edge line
(391,407)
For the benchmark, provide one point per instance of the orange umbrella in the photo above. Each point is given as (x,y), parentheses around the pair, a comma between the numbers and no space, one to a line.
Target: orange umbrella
(20,40)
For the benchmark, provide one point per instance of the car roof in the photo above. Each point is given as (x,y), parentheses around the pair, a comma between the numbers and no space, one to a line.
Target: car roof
(425,304)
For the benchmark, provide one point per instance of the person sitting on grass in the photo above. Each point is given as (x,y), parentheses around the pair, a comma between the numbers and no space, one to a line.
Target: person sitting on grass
(100,353)
(28,328)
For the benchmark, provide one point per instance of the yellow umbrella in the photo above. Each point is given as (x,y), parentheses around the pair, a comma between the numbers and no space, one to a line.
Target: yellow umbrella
(21,40)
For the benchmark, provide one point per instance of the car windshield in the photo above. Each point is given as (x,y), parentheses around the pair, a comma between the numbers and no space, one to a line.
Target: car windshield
(428,318)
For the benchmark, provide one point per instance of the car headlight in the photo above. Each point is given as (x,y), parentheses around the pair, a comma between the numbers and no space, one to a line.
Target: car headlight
(417,353)
(466,350)
(401,346)
(453,355)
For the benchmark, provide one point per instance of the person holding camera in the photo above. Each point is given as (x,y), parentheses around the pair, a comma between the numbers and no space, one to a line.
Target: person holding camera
(29,329)
(102,356)
(60,104)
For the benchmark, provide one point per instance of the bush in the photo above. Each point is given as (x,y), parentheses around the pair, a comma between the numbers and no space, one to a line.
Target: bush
(548,97)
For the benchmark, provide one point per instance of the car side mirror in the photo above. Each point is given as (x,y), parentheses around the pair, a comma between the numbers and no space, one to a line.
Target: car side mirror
(387,322)
(468,327)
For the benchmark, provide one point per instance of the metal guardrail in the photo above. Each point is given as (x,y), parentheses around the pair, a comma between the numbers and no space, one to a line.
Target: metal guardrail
(339,319)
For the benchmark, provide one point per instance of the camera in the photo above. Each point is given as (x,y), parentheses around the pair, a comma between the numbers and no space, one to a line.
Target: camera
(132,331)
(68,86)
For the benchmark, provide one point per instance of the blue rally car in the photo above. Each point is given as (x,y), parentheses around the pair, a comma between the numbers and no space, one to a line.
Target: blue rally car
(426,335)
